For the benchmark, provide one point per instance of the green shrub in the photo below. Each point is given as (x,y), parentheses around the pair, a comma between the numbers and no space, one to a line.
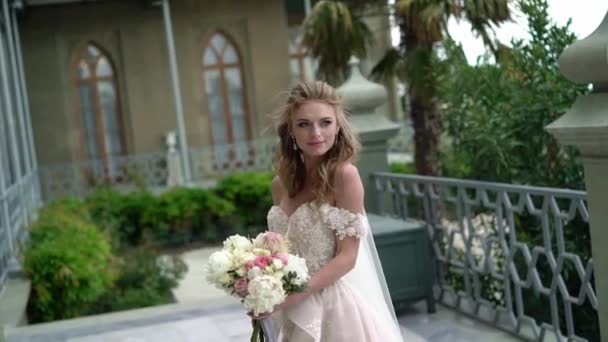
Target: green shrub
(251,195)
(396,167)
(186,213)
(145,280)
(68,206)
(124,215)
(68,261)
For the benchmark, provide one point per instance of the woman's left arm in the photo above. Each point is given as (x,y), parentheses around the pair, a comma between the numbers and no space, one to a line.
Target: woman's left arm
(349,193)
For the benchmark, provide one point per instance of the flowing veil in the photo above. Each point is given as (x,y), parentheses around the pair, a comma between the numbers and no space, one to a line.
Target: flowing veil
(367,277)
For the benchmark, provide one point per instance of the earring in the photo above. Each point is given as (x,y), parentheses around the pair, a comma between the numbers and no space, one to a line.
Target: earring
(295,146)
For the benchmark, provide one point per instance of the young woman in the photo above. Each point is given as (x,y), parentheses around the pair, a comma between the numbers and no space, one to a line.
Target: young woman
(318,206)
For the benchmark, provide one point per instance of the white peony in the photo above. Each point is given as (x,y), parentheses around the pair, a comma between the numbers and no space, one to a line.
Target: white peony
(237,243)
(264,293)
(254,272)
(217,268)
(297,265)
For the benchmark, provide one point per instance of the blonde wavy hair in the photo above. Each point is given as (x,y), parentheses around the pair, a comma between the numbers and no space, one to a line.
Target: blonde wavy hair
(288,164)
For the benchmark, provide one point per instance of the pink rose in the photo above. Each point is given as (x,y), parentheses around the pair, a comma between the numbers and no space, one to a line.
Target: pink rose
(262,261)
(249,264)
(240,286)
(282,257)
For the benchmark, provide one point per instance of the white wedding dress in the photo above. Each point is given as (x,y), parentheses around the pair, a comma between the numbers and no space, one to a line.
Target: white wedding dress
(354,308)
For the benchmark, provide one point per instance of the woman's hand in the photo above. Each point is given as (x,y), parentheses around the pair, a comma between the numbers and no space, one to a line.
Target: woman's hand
(292,299)
(261,316)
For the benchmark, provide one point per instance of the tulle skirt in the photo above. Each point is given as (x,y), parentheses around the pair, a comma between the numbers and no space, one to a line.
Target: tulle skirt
(336,314)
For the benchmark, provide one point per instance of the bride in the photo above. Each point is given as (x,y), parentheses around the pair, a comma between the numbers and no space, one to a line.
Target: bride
(318,206)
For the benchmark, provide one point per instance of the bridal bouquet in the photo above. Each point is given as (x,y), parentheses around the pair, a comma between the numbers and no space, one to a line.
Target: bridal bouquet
(260,272)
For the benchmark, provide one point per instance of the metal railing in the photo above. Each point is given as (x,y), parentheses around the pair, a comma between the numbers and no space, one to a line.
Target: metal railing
(152,170)
(517,257)
(212,162)
(79,178)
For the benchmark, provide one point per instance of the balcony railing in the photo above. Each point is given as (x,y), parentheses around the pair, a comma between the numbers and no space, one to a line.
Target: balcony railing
(517,257)
(81,177)
(153,170)
(212,162)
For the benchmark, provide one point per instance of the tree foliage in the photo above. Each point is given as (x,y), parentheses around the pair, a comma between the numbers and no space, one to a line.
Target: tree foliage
(495,114)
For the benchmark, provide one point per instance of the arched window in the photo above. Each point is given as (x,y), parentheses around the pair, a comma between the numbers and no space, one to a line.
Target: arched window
(300,62)
(101,127)
(227,104)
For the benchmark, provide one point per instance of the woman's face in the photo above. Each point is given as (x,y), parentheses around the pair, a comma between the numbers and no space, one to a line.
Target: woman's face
(314,126)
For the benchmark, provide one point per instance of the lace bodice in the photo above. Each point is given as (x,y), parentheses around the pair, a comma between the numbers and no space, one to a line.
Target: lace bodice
(312,230)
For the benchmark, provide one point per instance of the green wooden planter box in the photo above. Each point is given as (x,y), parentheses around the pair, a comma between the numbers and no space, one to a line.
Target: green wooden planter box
(407,260)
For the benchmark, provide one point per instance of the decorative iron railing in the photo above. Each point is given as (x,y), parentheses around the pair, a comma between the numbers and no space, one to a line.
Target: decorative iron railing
(152,170)
(212,162)
(80,178)
(517,257)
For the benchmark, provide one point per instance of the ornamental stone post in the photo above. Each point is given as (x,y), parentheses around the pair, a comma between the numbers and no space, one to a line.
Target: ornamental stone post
(362,99)
(585,126)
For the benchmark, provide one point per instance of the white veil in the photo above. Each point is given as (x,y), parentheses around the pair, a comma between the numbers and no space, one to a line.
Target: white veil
(367,277)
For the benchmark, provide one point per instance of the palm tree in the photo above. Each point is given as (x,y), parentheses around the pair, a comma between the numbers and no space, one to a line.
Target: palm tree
(422,24)
(332,24)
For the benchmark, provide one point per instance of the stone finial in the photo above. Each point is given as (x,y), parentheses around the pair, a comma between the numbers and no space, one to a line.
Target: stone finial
(361,96)
(586,60)
(585,125)
(171,141)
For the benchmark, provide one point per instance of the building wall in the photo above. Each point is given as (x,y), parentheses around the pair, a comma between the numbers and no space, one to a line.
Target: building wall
(133,35)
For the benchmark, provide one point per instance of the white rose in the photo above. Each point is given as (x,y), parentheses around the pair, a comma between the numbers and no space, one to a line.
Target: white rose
(264,293)
(237,243)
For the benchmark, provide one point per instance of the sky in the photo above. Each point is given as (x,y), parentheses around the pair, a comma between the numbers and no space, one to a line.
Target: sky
(586,16)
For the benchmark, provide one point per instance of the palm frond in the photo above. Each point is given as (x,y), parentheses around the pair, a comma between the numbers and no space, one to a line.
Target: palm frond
(333,34)
(390,65)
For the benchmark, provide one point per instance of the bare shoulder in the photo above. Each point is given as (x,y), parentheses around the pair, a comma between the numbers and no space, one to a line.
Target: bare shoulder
(347,178)
(277,190)
(348,188)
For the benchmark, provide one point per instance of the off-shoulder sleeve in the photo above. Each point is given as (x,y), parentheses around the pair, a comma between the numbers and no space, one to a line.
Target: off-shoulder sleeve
(343,222)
